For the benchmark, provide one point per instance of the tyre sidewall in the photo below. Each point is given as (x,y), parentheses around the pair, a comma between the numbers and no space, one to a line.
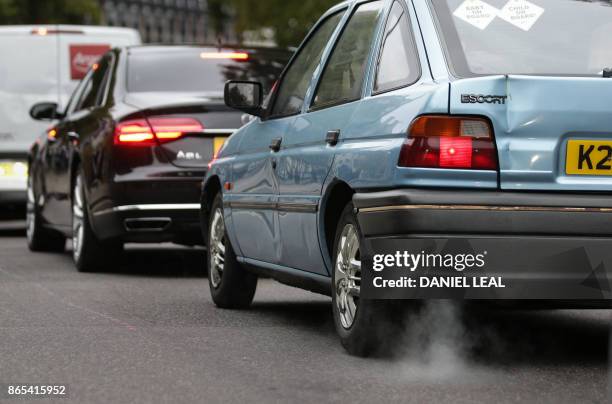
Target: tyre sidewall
(95,255)
(40,238)
(237,286)
(368,329)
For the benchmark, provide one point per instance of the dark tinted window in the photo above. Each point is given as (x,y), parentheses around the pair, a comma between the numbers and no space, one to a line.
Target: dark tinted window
(200,70)
(297,78)
(344,74)
(94,85)
(398,65)
(76,95)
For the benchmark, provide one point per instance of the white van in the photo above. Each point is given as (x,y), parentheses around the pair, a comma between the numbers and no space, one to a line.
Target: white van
(41,63)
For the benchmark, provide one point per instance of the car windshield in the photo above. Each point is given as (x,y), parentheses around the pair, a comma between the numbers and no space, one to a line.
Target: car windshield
(539,37)
(200,70)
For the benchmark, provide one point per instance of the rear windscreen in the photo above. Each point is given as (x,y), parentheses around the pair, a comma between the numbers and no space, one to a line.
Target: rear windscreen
(198,70)
(565,37)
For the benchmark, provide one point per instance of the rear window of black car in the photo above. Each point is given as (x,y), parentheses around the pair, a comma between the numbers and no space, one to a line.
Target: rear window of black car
(201,70)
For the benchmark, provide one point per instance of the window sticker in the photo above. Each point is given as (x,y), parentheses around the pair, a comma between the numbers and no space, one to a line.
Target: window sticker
(521,13)
(477,13)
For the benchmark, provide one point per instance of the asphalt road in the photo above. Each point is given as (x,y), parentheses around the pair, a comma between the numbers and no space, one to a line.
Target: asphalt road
(148,332)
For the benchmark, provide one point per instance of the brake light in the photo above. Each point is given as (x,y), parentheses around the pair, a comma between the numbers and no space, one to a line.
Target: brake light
(167,129)
(450,142)
(225,55)
(42,31)
(135,132)
(142,132)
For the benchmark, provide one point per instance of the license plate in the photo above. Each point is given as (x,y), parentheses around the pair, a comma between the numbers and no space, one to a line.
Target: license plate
(13,169)
(589,157)
(218,143)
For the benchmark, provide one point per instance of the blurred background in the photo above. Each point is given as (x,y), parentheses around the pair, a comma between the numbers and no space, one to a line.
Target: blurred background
(281,23)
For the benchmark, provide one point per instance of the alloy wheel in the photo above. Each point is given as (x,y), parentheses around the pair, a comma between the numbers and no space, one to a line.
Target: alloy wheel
(217,248)
(78,230)
(348,275)
(30,211)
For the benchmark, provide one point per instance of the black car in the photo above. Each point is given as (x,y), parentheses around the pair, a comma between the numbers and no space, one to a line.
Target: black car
(125,161)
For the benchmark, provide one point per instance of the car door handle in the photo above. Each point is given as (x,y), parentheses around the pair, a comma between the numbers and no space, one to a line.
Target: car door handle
(276,144)
(332,137)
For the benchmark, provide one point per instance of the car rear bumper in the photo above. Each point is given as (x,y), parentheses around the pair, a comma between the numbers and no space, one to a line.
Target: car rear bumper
(150,211)
(546,246)
(13,191)
(13,197)
(150,223)
(415,211)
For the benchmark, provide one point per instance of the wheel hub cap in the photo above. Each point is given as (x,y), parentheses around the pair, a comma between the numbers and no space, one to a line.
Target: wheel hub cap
(217,248)
(30,215)
(77,220)
(348,275)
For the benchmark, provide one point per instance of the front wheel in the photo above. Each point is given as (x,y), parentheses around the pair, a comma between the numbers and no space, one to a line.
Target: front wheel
(89,253)
(363,325)
(231,286)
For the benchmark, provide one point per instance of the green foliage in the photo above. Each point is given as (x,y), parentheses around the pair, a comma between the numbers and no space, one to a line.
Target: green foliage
(290,19)
(49,12)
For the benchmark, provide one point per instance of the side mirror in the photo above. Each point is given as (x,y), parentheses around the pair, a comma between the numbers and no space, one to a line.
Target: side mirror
(246,96)
(45,111)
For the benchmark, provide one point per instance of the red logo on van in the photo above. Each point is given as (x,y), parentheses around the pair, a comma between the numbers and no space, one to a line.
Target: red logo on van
(83,56)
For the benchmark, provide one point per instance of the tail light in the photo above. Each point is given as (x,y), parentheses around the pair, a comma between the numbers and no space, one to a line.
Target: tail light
(225,55)
(450,142)
(147,132)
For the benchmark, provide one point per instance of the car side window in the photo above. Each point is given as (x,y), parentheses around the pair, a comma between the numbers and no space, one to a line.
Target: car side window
(296,79)
(76,96)
(94,86)
(343,77)
(398,64)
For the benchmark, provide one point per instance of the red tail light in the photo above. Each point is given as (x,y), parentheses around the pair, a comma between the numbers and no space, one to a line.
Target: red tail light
(451,142)
(225,55)
(142,132)
(135,132)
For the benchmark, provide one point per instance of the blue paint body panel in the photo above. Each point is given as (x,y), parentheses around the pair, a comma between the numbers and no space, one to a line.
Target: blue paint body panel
(531,130)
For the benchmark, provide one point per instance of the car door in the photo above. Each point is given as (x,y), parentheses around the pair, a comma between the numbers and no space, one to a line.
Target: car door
(308,148)
(54,161)
(254,196)
(80,121)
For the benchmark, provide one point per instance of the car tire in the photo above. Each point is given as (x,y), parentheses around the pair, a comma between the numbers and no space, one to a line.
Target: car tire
(231,285)
(88,252)
(364,326)
(39,238)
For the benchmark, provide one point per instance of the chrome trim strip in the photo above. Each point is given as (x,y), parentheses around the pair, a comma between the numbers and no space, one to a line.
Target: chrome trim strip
(219,131)
(487,208)
(282,207)
(131,208)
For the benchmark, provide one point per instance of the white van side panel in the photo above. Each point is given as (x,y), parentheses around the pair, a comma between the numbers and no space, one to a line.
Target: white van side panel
(36,65)
(28,74)
(77,52)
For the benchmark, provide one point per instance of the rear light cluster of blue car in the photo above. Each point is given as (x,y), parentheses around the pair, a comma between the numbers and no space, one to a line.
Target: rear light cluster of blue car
(451,142)
(148,132)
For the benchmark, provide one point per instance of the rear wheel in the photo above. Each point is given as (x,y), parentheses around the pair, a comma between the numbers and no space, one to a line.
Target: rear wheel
(363,325)
(40,238)
(89,253)
(231,286)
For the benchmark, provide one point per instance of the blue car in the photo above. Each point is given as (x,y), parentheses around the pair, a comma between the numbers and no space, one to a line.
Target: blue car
(431,118)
